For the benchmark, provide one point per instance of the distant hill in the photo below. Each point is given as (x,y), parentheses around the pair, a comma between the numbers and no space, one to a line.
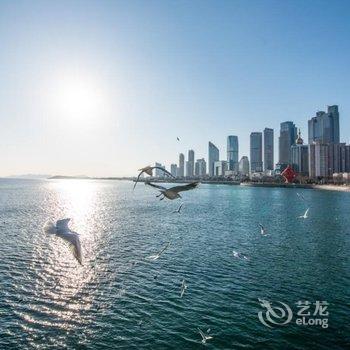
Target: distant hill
(28,176)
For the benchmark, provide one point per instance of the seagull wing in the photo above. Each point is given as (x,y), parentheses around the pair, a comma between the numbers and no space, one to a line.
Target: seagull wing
(137,180)
(165,171)
(62,224)
(307,210)
(72,238)
(202,334)
(156,186)
(182,188)
(261,226)
(163,250)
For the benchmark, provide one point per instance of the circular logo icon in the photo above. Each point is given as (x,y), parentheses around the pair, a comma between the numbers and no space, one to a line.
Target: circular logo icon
(274,315)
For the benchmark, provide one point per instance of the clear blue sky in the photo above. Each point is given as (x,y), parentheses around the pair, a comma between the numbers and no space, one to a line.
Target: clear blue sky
(153,70)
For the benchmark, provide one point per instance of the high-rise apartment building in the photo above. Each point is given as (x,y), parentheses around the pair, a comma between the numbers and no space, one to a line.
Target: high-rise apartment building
(213,156)
(256,164)
(232,153)
(268,149)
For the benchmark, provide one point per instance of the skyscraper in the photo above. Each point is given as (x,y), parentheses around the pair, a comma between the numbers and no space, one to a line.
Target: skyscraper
(173,169)
(181,169)
(300,156)
(232,152)
(213,156)
(268,149)
(324,127)
(256,164)
(200,167)
(244,166)
(190,163)
(326,154)
(220,167)
(288,135)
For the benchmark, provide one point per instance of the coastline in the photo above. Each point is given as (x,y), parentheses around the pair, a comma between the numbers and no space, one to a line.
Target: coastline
(339,188)
(324,187)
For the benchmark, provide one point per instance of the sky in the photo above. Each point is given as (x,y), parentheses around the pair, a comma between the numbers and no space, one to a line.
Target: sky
(102,88)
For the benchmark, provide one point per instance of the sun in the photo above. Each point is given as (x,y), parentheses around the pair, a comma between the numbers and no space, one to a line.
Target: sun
(78,98)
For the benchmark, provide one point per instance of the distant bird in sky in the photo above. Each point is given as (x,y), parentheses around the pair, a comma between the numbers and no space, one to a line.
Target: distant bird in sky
(262,229)
(178,138)
(239,255)
(205,337)
(179,209)
(62,230)
(158,255)
(173,192)
(183,288)
(149,171)
(305,216)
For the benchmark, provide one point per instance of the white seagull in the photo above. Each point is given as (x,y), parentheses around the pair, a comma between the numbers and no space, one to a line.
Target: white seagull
(179,209)
(305,216)
(149,171)
(301,196)
(173,192)
(262,229)
(157,256)
(183,288)
(239,255)
(205,337)
(62,230)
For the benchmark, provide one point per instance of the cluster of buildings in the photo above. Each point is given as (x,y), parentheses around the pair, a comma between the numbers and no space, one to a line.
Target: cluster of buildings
(323,156)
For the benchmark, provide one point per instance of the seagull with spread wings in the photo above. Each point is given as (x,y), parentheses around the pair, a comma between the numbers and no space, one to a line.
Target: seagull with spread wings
(204,336)
(158,255)
(149,171)
(173,192)
(305,216)
(62,230)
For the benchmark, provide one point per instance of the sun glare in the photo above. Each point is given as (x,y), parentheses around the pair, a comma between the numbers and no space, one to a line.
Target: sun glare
(78,98)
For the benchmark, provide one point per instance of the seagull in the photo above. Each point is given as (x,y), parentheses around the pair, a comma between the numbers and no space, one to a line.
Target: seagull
(262,229)
(301,196)
(305,214)
(62,230)
(179,209)
(239,255)
(148,170)
(173,192)
(157,256)
(183,288)
(204,336)
(178,138)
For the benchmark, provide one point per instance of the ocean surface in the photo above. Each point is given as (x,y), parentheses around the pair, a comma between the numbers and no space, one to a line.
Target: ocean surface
(119,299)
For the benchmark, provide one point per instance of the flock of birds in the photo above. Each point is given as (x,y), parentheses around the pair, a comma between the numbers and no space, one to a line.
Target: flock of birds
(61,228)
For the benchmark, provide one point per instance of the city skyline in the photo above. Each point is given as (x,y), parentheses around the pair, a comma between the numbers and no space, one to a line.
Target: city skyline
(111,90)
(324,155)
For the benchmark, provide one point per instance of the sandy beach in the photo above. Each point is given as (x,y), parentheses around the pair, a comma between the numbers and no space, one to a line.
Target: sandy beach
(341,188)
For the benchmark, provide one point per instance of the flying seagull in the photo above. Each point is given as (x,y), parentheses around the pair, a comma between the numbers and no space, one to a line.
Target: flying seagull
(205,337)
(239,255)
(301,196)
(62,230)
(262,229)
(148,170)
(183,288)
(173,192)
(178,138)
(157,256)
(179,209)
(305,216)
